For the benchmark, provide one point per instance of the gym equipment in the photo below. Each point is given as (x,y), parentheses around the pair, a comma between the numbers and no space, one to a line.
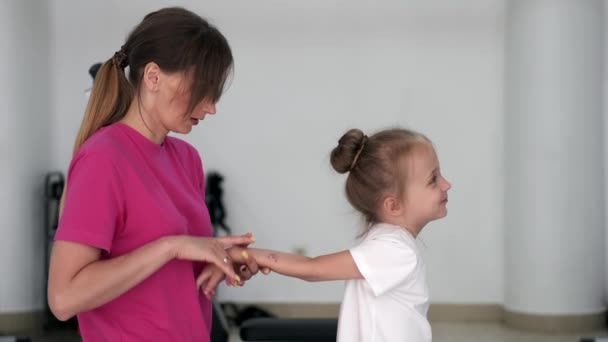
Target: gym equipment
(289,330)
(14,339)
(54,184)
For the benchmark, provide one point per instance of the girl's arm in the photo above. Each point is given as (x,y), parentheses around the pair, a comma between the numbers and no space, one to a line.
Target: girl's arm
(336,266)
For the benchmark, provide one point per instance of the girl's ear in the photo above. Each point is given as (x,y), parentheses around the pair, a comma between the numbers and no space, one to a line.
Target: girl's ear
(392,206)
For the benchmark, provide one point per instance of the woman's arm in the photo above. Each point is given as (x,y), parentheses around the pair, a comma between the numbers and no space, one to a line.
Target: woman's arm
(336,266)
(80,281)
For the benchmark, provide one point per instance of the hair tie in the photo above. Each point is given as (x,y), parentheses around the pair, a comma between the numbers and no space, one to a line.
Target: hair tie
(120,58)
(356,159)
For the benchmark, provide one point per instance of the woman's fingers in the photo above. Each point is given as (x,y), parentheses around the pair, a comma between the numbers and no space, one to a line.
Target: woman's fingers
(229,241)
(214,280)
(247,265)
(202,278)
(224,262)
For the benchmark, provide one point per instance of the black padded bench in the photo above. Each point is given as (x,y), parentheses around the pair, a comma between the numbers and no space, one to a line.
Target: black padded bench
(289,330)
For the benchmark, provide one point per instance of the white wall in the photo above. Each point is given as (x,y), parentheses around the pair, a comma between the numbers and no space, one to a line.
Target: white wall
(554,227)
(24,152)
(605,136)
(305,72)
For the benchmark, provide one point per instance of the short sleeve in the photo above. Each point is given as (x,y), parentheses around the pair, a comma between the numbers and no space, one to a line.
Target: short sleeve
(91,210)
(384,262)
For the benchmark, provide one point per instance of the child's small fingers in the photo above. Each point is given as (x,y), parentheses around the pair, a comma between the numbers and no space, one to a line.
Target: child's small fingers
(252,265)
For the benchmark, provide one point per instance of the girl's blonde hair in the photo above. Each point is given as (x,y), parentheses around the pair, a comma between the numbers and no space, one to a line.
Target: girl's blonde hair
(373,166)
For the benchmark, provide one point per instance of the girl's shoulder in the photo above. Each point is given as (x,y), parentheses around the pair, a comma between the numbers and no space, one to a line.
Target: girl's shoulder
(390,233)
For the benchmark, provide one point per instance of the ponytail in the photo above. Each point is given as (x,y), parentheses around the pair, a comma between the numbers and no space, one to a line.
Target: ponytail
(109,101)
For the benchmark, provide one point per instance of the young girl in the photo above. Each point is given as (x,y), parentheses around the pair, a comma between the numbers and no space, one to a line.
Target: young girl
(395,181)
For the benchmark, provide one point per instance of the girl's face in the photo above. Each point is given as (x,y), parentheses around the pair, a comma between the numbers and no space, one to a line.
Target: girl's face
(172,105)
(426,191)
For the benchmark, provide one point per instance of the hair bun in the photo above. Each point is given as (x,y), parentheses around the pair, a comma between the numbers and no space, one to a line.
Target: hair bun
(344,157)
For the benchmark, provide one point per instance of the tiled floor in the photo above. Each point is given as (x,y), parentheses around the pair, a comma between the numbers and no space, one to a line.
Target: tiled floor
(452,332)
(442,332)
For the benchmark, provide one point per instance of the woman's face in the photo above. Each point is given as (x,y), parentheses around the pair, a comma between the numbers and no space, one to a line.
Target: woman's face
(172,104)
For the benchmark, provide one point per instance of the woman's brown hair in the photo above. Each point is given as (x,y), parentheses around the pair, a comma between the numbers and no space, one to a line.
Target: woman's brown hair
(177,40)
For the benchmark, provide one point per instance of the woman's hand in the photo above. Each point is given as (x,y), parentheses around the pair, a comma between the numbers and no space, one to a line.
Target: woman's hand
(245,266)
(212,251)
(209,278)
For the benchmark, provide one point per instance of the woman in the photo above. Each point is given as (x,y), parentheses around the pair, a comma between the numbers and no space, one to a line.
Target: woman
(134,231)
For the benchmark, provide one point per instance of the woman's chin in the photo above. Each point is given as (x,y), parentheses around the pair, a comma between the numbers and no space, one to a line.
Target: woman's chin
(185,129)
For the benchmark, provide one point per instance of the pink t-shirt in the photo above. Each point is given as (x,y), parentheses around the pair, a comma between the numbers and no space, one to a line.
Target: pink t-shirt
(123,192)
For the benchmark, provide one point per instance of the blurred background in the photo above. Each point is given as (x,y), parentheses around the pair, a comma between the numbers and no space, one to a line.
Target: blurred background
(511,92)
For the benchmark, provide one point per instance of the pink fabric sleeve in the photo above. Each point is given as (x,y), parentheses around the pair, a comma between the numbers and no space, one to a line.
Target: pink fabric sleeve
(91,213)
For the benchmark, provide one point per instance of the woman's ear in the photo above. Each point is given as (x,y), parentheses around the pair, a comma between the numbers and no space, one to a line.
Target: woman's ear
(151,76)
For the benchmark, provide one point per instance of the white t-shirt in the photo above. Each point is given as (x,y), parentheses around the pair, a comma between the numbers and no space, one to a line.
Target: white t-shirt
(391,302)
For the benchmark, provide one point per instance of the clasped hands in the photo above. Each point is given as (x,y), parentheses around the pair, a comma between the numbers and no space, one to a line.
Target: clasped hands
(243,264)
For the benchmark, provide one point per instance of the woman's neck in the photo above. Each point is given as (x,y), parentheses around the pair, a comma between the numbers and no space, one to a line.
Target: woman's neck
(141,121)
